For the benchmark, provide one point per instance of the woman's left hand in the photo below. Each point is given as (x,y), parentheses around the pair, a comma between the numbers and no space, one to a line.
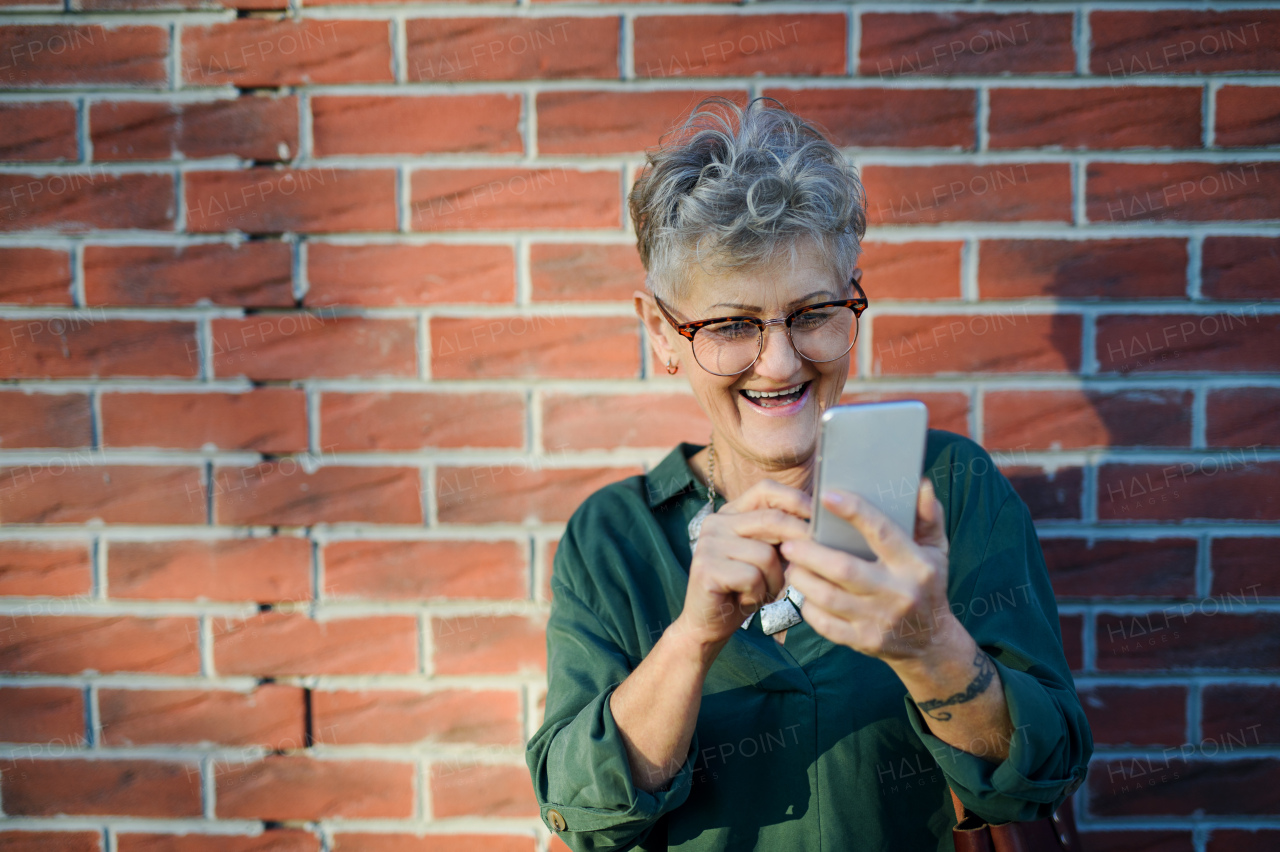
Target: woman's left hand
(895,608)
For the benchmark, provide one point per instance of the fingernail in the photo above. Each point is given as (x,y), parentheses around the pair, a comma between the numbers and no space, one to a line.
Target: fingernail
(837,498)
(785,548)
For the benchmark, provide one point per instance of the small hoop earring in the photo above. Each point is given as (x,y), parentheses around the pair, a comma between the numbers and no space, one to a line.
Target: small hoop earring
(670,369)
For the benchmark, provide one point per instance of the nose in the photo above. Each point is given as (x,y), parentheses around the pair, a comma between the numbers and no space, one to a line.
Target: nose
(778,359)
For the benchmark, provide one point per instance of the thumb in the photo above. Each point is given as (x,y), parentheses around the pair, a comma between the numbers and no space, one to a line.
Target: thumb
(931,521)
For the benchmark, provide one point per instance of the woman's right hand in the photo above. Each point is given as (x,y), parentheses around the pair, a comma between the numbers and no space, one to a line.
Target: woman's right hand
(736,566)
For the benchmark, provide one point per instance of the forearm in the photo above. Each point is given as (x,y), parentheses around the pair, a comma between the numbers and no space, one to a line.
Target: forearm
(656,707)
(959,692)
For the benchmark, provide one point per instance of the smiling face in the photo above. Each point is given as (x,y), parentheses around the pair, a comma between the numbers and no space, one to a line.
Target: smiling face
(768,434)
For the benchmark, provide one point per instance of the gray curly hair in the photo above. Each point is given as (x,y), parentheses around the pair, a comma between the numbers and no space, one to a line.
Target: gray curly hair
(752,183)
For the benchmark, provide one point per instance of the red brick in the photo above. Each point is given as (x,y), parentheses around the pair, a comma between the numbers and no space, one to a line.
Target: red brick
(949,411)
(1245,567)
(481,790)
(44,420)
(136,788)
(50,841)
(609,421)
(488,123)
(1243,417)
(1188,192)
(1243,840)
(273,840)
(1214,633)
(272,716)
(994,342)
(41,55)
(43,714)
(267,419)
(806,45)
(1122,715)
(283,494)
(517,493)
(888,118)
(314,345)
(916,270)
(1183,41)
(417,570)
(1073,419)
(64,492)
(1017,192)
(1239,715)
(260,52)
(1226,485)
(1240,267)
(614,122)
(547,198)
(88,346)
(949,43)
(491,717)
(535,346)
(584,272)
(37,568)
(1247,116)
(255,128)
(35,276)
(1048,494)
(1233,341)
(268,200)
(489,644)
(387,420)
(72,644)
(280,643)
(239,569)
(394,275)
(1107,568)
(252,274)
(38,131)
(300,788)
(86,201)
(1167,784)
(1083,269)
(455,50)
(1120,117)
(1138,841)
(351,842)
(1072,627)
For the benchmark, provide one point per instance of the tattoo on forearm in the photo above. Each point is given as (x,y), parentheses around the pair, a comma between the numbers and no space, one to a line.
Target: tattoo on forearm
(977,686)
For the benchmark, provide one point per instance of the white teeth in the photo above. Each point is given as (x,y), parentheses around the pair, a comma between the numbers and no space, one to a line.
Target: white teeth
(766,394)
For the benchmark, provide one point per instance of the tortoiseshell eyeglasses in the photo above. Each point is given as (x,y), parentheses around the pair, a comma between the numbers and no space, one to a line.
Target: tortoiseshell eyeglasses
(727,346)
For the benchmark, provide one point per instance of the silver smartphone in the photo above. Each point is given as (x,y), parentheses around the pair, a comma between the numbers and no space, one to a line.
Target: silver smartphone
(875,450)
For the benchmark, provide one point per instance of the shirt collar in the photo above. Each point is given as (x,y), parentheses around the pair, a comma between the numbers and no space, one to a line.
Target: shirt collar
(673,476)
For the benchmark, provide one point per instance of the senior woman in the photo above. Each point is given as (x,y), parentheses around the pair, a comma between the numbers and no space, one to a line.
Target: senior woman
(672,720)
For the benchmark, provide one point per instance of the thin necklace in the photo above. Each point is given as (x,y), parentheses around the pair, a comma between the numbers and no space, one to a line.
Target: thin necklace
(774,617)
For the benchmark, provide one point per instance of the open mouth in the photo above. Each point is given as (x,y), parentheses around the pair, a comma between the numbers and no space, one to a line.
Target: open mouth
(775,399)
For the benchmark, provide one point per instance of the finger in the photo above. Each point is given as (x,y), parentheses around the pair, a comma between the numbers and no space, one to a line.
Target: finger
(832,598)
(854,575)
(759,557)
(886,539)
(830,626)
(767,525)
(731,576)
(931,522)
(769,494)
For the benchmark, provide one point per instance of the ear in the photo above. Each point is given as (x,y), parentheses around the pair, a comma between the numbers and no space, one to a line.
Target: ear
(857,275)
(662,337)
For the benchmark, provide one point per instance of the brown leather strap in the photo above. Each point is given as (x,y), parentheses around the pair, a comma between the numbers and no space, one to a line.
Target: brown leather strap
(959,806)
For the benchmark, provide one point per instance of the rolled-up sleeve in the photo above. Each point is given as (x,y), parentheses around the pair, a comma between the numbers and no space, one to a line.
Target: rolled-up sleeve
(1013,616)
(578,759)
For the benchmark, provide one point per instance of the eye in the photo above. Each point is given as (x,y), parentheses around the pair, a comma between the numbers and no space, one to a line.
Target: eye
(730,331)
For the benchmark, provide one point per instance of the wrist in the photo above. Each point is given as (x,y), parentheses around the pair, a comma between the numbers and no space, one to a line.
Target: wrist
(692,644)
(950,648)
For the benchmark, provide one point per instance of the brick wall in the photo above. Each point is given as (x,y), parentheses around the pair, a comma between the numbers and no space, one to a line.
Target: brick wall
(315,330)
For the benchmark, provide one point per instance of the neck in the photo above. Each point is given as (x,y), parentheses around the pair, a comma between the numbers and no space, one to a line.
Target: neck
(735,475)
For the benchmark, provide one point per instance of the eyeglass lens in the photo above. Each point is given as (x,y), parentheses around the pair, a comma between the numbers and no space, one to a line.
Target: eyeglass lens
(818,334)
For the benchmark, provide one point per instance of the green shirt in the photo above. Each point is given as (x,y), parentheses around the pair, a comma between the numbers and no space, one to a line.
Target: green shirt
(808,744)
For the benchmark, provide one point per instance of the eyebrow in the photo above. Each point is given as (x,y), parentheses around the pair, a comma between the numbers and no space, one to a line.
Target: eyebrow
(757,309)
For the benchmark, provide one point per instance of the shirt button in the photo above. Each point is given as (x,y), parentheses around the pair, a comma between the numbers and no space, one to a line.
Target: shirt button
(557,821)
